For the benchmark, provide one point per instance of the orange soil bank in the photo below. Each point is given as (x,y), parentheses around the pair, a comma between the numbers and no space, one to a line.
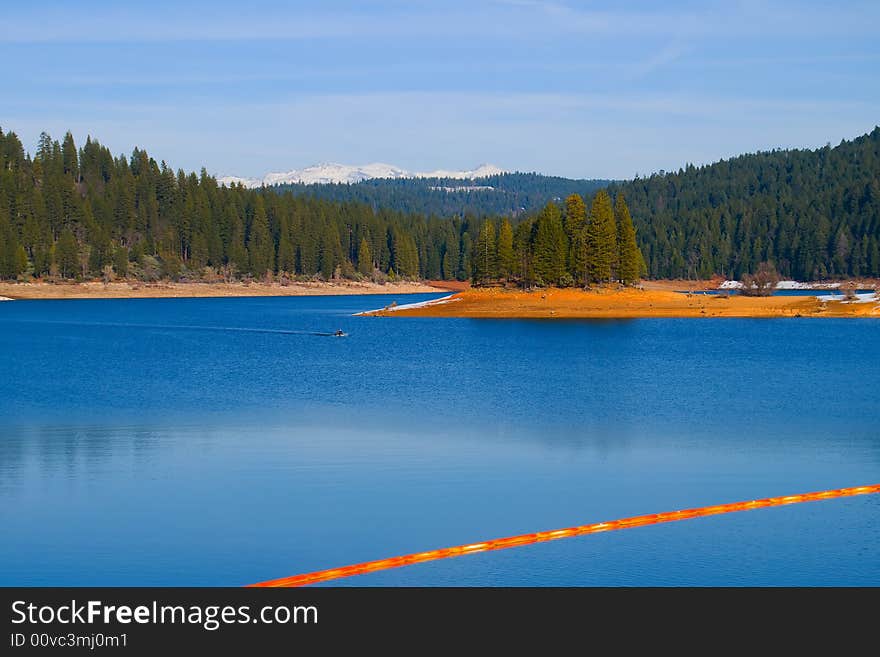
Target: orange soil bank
(625,303)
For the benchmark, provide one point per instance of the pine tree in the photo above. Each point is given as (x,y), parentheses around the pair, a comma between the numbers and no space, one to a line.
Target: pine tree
(550,246)
(364,258)
(629,256)
(601,239)
(329,251)
(405,255)
(580,257)
(465,259)
(874,257)
(574,221)
(260,246)
(237,255)
(575,227)
(120,261)
(19,261)
(523,243)
(451,256)
(67,254)
(286,252)
(506,259)
(485,255)
(69,157)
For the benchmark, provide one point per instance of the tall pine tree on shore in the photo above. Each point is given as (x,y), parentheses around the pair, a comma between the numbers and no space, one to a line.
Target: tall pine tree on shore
(485,254)
(506,258)
(576,227)
(550,246)
(629,260)
(601,239)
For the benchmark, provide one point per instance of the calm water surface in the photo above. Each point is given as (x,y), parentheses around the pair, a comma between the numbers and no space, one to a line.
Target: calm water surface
(153,442)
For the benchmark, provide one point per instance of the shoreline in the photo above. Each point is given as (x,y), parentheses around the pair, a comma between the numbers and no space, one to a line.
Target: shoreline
(171,290)
(627,303)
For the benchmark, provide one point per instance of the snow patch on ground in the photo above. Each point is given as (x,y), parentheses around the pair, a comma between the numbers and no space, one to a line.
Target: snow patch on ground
(407,306)
(784,285)
(866,297)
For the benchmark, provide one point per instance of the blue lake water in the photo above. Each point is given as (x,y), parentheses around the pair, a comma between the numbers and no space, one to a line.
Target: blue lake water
(153,442)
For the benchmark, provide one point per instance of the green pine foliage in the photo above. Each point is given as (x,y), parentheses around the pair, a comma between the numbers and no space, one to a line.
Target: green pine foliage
(506,254)
(576,229)
(550,246)
(486,255)
(67,254)
(364,258)
(513,195)
(629,257)
(601,240)
(79,212)
(814,213)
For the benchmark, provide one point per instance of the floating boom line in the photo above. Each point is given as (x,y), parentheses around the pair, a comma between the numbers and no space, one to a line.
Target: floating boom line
(569,532)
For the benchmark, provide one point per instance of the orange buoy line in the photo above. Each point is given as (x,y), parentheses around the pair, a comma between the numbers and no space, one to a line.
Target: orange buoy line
(539,537)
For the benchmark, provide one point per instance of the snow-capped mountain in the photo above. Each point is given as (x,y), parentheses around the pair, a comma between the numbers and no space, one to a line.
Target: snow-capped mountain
(346,173)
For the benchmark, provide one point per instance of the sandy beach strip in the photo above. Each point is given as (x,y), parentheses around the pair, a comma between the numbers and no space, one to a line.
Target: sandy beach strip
(134,290)
(552,303)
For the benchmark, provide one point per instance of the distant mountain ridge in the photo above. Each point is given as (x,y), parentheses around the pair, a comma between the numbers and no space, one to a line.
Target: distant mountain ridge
(334,173)
(509,194)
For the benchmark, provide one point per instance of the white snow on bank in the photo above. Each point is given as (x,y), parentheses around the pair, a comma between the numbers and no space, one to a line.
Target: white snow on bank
(867,297)
(784,285)
(407,306)
(5,299)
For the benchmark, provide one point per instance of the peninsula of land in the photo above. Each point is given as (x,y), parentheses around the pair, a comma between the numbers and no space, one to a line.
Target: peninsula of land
(626,303)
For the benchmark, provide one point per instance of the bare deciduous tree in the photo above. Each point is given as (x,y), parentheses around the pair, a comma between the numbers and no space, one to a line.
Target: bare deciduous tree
(761,283)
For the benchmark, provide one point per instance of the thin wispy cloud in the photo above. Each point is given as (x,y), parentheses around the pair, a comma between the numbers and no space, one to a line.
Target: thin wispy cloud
(517,18)
(600,89)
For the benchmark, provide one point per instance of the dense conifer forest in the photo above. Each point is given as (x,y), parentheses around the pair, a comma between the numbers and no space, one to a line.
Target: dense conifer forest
(69,212)
(814,213)
(508,194)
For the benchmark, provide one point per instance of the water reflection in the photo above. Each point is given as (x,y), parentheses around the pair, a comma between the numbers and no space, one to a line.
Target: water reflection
(223,457)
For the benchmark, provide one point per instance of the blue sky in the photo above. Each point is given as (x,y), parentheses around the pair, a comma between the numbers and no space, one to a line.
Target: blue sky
(580,89)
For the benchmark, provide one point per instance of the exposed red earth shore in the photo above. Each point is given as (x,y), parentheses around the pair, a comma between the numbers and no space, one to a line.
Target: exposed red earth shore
(624,303)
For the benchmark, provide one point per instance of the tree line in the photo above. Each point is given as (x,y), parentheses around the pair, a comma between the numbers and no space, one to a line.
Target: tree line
(507,194)
(75,213)
(813,213)
(79,213)
(562,246)
(69,212)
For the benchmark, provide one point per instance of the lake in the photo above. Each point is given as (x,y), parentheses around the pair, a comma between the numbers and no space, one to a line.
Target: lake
(223,442)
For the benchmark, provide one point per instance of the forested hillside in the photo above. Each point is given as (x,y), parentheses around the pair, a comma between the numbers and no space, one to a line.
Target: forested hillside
(813,213)
(77,213)
(69,212)
(509,194)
